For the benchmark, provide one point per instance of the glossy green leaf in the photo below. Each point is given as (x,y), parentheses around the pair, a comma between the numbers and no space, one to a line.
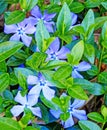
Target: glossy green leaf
(15,17)
(104,111)
(31,128)
(76,7)
(3,6)
(64,19)
(4,37)
(9,48)
(95,116)
(89,53)
(88,125)
(77,52)
(104,4)
(102,77)
(35,60)
(63,72)
(92,3)
(4,81)
(41,35)
(93,88)
(8,124)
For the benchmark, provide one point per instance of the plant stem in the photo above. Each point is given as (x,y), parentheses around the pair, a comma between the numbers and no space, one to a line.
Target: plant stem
(100,61)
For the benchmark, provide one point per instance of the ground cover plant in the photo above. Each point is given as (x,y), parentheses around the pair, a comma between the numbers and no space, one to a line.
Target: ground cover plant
(53,65)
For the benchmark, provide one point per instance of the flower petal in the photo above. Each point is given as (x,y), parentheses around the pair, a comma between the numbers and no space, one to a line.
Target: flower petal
(36,111)
(10,28)
(48,92)
(75,74)
(17,110)
(49,27)
(55,45)
(20,99)
(63,52)
(80,114)
(31,80)
(83,66)
(56,113)
(15,37)
(36,12)
(69,122)
(77,103)
(32,99)
(29,29)
(26,39)
(74,18)
(32,20)
(35,91)
(48,17)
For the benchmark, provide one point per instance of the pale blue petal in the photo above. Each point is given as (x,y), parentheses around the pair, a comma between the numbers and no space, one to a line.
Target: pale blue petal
(55,113)
(32,80)
(83,66)
(74,18)
(68,123)
(10,28)
(77,103)
(55,45)
(36,12)
(48,92)
(32,99)
(21,99)
(62,53)
(49,27)
(26,40)
(48,17)
(35,91)
(36,111)
(29,29)
(32,20)
(75,74)
(17,110)
(80,114)
(15,37)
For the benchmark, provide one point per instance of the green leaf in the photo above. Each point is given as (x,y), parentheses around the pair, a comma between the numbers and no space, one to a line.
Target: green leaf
(13,79)
(88,125)
(9,48)
(3,6)
(64,19)
(92,3)
(89,53)
(93,71)
(102,77)
(104,35)
(8,95)
(63,72)
(93,88)
(104,111)
(15,17)
(4,37)
(64,116)
(3,67)
(4,81)
(41,35)
(22,80)
(104,4)
(35,60)
(31,128)
(77,92)
(96,117)
(88,20)
(77,52)
(76,7)
(8,124)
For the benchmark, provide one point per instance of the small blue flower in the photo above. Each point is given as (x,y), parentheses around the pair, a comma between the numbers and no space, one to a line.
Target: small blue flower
(20,30)
(55,52)
(47,18)
(28,101)
(83,66)
(74,112)
(41,84)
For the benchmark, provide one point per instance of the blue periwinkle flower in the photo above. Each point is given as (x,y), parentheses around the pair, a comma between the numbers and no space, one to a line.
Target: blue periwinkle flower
(83,66)
(20,30)
(28,101)
(74,112)
(41,84)
(47,18)
(55,52)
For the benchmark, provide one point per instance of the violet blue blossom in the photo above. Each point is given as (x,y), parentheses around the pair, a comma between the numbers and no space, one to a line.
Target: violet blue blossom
(83,66)
(47,18)
(41,84)
(28,101)
(74,112)
(55,52)
(20,30)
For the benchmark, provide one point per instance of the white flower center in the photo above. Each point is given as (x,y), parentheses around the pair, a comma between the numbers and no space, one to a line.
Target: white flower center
(20,31)
(53,56)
